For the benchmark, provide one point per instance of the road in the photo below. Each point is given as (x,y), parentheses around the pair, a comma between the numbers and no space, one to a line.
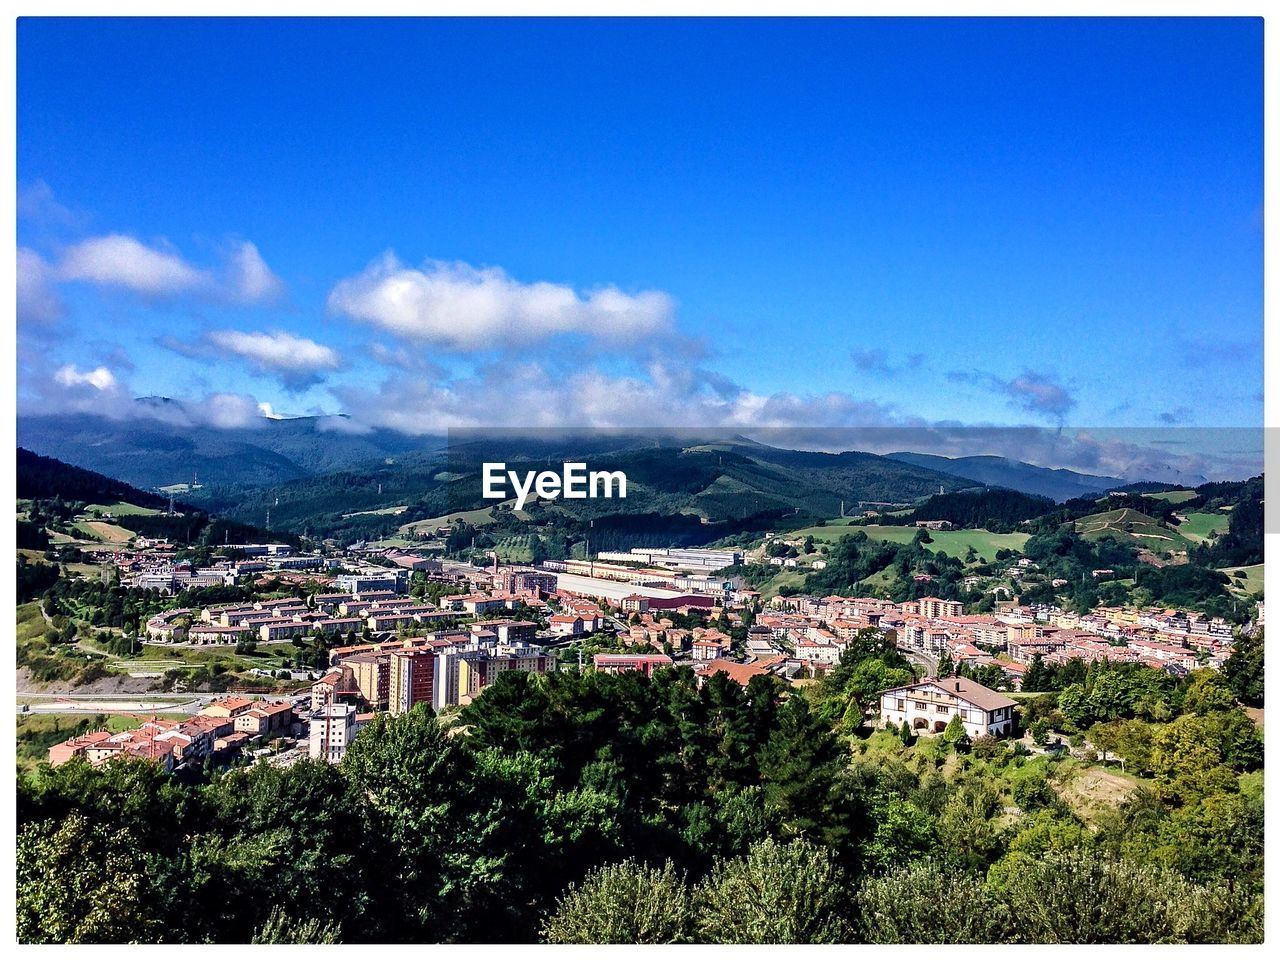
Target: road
(89,703)
(930,662)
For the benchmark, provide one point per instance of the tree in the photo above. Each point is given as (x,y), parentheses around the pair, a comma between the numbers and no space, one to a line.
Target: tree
(1037,678)
(799,766)
(946,667)
(1105,737)
(1207,692)
(778,893)
(280,928)
(1080,897)
(1040,732)
(80,882)
(930,902)
(627,902)
(1243,669)
(955,731)
(452,827)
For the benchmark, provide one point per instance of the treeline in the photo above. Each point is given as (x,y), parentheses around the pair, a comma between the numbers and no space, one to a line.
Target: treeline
(995,509)
(557,535)
(44,478)
(1241,545)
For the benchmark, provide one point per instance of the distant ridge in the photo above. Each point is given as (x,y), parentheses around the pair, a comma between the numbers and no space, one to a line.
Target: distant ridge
(1056,484)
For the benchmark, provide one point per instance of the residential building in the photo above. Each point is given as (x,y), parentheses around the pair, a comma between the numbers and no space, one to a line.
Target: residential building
(332,730)
(645,663)
(928,706)
(411,679)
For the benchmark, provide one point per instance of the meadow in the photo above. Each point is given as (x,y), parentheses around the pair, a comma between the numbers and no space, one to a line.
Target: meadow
(954,543)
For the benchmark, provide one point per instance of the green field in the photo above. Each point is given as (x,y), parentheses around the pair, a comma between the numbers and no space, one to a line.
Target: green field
(1254,580)
(384,512)
(103,532)
(1130,526)
(476,518)
(787,578)
(954,543)
(1173,496)
(122,510)
(1199,527)
(31,625)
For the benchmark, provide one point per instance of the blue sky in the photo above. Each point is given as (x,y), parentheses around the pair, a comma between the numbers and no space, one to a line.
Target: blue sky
(421,223)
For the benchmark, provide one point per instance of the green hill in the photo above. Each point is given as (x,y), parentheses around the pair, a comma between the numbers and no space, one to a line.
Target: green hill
(1129,526)
(61,502)
(712,489)
(955,543)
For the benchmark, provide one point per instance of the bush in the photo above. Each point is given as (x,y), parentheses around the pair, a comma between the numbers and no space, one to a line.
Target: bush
(624,903)
(930,902)
(1078,897)
(778,893)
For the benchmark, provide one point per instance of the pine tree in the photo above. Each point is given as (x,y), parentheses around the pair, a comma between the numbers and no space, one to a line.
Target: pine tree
(945,665)
(800,766)
(1037,676)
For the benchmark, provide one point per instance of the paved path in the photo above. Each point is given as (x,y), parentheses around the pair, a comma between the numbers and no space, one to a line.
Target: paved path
(930,661)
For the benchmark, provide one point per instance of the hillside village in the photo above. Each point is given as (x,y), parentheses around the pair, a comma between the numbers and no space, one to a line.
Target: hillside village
(209,661)
(383,629)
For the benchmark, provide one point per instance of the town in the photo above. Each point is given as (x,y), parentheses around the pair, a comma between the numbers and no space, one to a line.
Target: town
(386,647)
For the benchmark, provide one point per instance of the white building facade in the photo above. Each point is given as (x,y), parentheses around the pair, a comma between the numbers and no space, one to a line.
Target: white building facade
(927,707)
(332,730)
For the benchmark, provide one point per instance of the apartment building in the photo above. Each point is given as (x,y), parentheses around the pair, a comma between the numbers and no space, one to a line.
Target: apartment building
(411,679)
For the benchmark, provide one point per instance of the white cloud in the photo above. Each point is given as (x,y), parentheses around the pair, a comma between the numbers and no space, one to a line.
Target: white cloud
(100,378)
(526,394)
(226,411)
(121,261)
(37,205)
(278,351)
(118,260)
(462,307)
(249,277)
(37,300)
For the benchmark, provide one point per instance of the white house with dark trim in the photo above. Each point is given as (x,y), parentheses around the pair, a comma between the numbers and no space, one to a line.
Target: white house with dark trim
(928,706)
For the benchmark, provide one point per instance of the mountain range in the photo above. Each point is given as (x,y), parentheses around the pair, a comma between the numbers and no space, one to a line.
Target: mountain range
(1056,484)
(318,474)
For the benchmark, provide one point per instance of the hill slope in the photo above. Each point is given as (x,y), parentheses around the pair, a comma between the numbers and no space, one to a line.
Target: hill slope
(72,501)
(1056,484)
(150,452)
(42,478)
(712,483)
(1130,526)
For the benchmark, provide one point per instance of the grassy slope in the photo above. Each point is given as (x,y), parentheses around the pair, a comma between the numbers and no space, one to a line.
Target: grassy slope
(121,509)
(1130,526)
(952,542)
(1198,527)
(1173,496)
(103,532)
(1254,579)
(476,518)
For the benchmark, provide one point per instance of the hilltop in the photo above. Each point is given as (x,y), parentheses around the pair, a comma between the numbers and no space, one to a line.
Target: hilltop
(1130,526)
